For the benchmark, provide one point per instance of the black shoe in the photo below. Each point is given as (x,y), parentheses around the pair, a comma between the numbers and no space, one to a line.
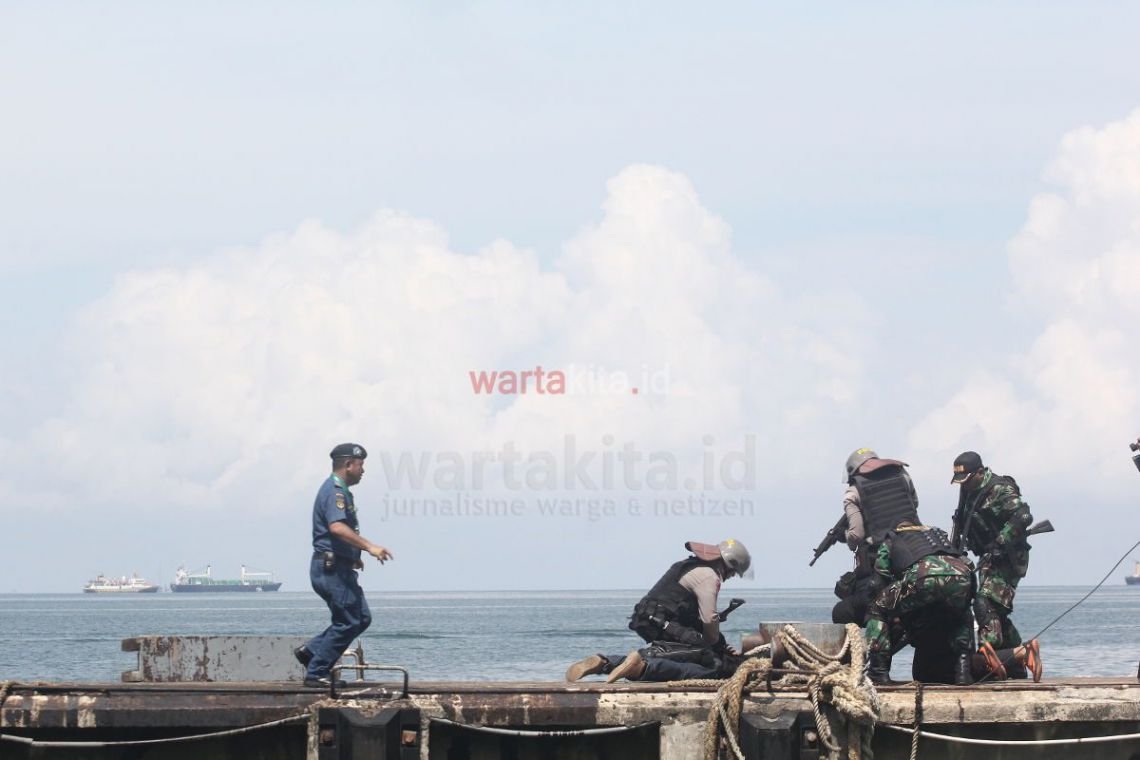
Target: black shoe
(323,682)
(303,655)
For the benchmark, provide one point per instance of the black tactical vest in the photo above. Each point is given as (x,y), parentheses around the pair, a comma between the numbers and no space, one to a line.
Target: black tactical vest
(673,601)
(885,500)
(909,546)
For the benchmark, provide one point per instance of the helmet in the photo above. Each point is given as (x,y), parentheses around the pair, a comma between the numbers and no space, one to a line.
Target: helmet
(735,556)
(856,460)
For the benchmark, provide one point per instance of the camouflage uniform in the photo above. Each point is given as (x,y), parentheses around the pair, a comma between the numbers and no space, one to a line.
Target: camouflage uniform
(991,522)
(937,584)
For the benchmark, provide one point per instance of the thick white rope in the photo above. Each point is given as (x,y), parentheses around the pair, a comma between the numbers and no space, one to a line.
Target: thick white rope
(1016,742)
(140,742)
(827,680)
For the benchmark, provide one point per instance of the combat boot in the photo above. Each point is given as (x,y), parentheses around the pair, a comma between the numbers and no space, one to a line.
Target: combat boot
(962,670)
(879,668)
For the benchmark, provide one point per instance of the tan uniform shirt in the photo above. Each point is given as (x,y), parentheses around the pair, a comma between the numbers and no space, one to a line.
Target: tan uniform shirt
(852,508)
(704,582)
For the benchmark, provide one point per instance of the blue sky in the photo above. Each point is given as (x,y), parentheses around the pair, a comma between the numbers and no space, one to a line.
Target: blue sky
(236,236)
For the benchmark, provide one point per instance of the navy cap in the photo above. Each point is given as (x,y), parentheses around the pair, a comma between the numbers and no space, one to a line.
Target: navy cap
(348,451)
(967,463)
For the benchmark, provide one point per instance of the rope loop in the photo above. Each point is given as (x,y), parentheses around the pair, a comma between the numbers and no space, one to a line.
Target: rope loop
(843,700)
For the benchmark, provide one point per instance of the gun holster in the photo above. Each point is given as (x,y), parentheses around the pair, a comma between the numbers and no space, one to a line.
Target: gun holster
(329,562)
(845,586)
(680,652)
(679,633)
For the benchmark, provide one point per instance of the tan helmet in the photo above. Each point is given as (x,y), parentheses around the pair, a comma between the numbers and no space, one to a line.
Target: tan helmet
(858,458)
(736,556)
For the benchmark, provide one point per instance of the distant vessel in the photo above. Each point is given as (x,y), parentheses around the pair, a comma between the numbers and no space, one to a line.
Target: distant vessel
(1134,579)
(123,585)
(203,582)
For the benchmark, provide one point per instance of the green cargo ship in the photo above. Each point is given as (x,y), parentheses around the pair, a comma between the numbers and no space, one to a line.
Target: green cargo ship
(203,582)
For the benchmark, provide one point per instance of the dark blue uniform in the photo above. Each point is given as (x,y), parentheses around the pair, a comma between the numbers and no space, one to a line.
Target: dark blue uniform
(337,586)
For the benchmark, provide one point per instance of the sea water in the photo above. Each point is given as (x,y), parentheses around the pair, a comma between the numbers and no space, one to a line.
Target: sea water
(490,635)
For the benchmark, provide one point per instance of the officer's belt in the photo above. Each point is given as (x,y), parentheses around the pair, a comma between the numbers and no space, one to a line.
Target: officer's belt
(339,557)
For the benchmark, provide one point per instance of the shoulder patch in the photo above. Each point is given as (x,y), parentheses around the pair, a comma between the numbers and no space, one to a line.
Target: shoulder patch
(339,500)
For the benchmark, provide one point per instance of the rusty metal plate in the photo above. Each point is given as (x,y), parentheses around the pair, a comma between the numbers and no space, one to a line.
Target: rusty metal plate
(164,659)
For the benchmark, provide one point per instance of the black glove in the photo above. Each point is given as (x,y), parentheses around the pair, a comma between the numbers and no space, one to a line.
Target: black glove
(845,586)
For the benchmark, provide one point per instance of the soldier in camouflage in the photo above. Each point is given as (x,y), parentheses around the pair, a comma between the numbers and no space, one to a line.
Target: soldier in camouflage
(991,521)
(926,577)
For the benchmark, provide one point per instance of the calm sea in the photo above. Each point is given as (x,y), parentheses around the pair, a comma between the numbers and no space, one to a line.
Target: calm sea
(493,635)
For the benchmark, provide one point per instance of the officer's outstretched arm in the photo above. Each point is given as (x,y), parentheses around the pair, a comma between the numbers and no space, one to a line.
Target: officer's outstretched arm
(341,530)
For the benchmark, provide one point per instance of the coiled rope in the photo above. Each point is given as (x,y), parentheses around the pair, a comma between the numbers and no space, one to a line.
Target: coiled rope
(831,680)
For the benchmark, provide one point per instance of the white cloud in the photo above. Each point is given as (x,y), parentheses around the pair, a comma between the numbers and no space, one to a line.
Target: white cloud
(1061,411)
(226,381)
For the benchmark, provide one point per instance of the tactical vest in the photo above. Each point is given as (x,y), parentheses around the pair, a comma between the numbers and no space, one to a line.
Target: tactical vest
(979,532)
(885,500)
(673,601)
(909,546)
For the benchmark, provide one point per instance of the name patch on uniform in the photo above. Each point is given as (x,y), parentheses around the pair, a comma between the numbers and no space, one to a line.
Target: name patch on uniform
(340,501)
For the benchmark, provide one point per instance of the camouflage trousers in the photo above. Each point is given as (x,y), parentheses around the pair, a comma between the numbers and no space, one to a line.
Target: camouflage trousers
(938,585)
(997,584)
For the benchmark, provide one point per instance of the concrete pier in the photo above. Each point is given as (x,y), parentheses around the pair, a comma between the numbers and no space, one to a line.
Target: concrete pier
(449,720)
(229,697)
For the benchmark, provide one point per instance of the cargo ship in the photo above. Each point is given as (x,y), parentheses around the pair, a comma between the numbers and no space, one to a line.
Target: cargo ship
(203,582)
(1134,579)
(124,585)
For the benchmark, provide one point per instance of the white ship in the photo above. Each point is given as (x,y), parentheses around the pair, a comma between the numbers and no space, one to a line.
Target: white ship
(124,585)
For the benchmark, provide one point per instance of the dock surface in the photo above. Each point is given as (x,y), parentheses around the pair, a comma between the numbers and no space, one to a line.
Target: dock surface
(444,719)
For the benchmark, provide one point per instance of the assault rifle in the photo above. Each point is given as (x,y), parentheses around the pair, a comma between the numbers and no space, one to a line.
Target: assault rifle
(958,537)
(1045,526)
(833,536)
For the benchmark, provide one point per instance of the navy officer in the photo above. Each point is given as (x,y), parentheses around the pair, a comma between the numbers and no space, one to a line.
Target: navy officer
(337,547)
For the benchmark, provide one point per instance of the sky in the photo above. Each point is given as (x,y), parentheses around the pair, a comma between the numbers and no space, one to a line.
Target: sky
(233,237)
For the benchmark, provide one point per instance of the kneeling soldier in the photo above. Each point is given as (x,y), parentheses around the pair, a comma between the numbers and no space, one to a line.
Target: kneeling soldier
(925,576)
(679,621)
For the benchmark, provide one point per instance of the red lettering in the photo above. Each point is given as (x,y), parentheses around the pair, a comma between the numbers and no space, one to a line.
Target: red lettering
(482,382)
(508,382)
